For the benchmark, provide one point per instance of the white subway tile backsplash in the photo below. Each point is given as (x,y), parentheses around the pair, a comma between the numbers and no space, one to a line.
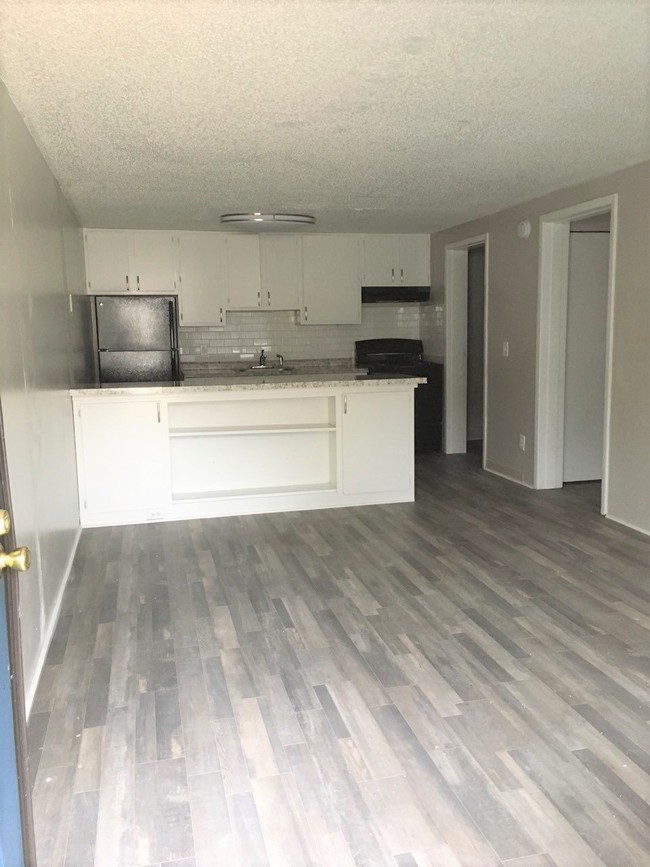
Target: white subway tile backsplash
(279,331)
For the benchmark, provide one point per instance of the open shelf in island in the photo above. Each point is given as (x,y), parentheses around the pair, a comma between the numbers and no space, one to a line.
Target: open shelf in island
(252,430)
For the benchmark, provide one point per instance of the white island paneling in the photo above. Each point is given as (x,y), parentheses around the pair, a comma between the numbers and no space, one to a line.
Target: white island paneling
(149,453)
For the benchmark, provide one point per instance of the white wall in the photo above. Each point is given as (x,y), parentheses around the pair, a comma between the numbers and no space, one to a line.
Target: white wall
(43,348)
(512,314)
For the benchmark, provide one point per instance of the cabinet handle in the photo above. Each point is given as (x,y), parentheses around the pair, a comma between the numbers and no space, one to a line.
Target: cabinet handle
(128,288)
(158,411)
(345,405)
(137,280)
(306,317)
(259,299)
(182,316)
(401,274)
(221,315)
(268,298)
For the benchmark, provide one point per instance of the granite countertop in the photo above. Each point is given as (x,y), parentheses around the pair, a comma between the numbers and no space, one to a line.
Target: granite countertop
(247,382)
(212,366)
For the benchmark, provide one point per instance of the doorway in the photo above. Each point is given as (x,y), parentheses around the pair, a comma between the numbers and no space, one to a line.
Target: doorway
(16,823)
(475,347)
(584,386)
(564,382)
(457,367)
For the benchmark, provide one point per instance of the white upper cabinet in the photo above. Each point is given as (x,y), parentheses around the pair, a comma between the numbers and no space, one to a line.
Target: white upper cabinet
(107,261)
(121,261)
(243,269)
(415,260)
(202,278)
(396,260)
(154,261)
(320,275)
(380,260)
(331,280)
(281,270)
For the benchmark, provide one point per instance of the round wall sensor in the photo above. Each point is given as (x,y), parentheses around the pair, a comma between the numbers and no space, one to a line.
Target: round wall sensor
(523,229)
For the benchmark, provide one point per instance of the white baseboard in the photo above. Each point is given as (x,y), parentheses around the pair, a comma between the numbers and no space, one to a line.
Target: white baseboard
(644,530)
(30,689)
(506,473)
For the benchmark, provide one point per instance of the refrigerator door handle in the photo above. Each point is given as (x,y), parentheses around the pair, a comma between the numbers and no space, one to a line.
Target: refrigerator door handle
(172,330)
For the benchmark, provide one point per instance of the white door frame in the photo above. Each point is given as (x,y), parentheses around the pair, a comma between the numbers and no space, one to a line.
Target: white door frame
(456,344)
(551,340)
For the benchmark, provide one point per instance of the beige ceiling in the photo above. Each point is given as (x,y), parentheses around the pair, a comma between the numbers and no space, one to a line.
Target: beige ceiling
(374,115)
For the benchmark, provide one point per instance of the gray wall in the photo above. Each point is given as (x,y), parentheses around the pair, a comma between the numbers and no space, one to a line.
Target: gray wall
(512,315)
(42,351)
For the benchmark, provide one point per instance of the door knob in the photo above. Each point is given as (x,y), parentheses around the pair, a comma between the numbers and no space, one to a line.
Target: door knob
(20,559)
(5,522)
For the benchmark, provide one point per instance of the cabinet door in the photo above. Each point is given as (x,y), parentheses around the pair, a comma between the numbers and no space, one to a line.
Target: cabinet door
(331,280)
(202,278)
(281,271)
(377,441)
(154,262)
(243,267)
(123,458)
(380,260)
(107,261)
(414,260)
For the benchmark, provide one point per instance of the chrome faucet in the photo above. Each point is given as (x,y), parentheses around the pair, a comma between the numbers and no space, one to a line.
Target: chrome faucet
(281,357)
(262,362)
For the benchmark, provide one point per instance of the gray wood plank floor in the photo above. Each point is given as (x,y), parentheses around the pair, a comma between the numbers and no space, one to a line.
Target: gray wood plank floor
(458,681)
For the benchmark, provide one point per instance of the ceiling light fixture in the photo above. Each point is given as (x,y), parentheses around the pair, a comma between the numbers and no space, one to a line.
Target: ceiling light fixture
(257,217)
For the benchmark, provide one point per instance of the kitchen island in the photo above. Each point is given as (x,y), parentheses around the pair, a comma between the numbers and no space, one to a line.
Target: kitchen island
(205,448)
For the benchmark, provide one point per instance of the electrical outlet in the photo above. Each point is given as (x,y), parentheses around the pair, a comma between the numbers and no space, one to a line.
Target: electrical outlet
(522,442)
(506,348)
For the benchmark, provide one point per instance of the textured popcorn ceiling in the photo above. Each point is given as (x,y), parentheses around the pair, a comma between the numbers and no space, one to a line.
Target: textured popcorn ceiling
(401,115)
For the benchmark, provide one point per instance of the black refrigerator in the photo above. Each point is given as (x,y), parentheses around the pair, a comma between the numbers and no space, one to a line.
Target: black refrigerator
(137,338)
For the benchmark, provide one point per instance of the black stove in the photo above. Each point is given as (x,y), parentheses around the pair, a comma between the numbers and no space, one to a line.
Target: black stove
(388,353)
(405,357)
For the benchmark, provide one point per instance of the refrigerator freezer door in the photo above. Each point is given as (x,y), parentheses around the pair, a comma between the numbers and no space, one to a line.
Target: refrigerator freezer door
(149,366)
(136,323)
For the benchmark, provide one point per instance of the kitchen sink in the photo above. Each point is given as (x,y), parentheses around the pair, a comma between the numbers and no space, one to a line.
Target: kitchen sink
(265,371)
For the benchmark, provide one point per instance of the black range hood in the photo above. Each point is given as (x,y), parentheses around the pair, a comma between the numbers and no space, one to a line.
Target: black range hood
(401,294)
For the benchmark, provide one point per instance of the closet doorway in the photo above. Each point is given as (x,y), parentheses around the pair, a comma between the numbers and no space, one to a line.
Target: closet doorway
(572,404)
(475,348)
(457,270)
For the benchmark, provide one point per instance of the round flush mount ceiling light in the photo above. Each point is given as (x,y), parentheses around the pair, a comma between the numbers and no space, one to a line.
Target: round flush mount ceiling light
(256,217)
